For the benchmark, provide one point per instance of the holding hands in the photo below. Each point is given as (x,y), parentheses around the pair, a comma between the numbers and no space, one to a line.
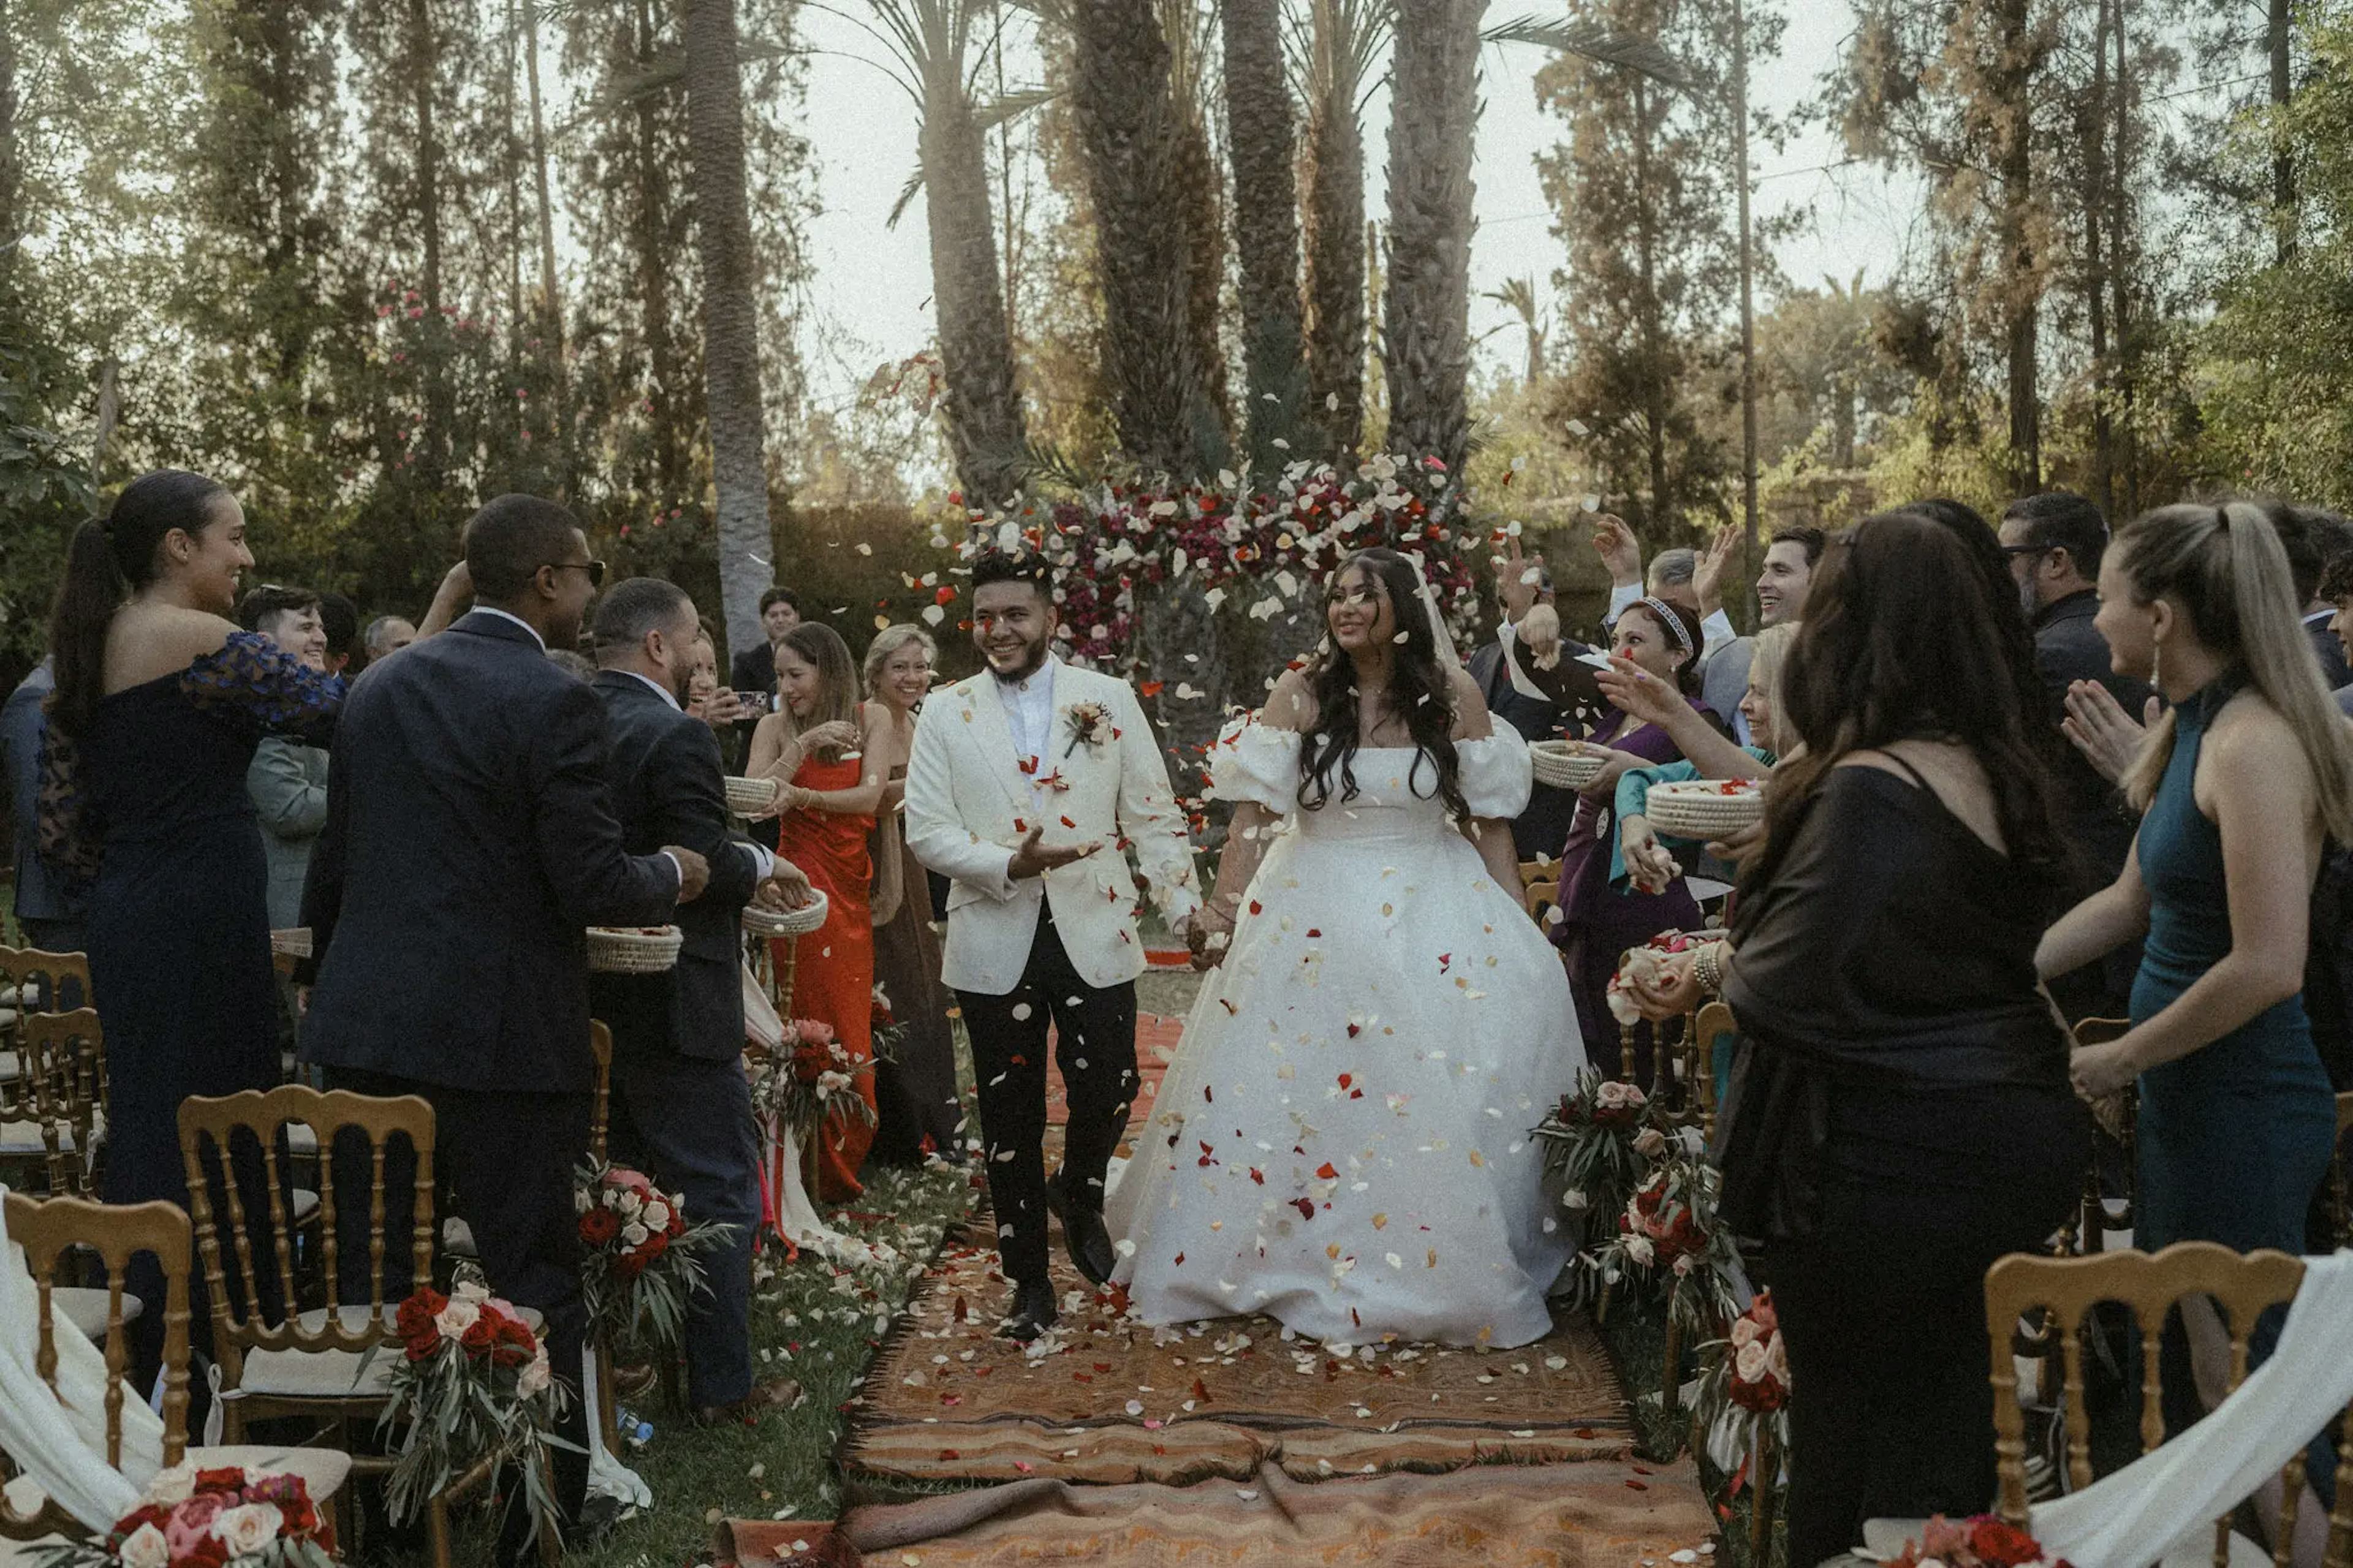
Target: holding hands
(787,887)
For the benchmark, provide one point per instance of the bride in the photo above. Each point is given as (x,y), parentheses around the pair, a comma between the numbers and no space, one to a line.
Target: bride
(1342,1141)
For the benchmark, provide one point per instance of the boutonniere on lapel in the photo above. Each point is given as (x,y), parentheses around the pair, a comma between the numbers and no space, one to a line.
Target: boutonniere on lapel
(1053,780)
(1087,724)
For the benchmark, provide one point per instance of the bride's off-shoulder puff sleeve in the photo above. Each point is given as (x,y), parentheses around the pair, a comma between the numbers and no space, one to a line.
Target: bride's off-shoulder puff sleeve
(1497,774)
(1253,762)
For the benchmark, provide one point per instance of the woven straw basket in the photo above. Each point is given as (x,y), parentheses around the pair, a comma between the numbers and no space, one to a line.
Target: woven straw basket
(1563,765)
(632,950)
(1699,809)
(783,922)
(747,797)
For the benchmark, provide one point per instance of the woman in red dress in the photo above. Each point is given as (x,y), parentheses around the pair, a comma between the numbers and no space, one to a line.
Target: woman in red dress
(821,746)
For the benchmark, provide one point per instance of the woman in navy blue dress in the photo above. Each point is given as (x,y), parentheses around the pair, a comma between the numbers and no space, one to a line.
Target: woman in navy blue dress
(161,700)
(2238,784)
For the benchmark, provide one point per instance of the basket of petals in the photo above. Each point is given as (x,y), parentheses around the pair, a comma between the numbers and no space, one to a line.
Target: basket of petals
(1566,765)
(1705,809)
(634,950)
(751,798)
(762,921)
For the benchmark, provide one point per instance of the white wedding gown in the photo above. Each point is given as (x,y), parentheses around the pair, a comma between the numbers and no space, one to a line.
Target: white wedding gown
(1342,1140)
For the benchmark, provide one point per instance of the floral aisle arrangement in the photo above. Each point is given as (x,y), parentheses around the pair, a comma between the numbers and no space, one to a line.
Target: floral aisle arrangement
(225,1518)
(1982,1542)
(1668,1235)
(1590,1142)
(1743,1396)
(473,1385)
(639,1258)
(810,1080)
(889,1033)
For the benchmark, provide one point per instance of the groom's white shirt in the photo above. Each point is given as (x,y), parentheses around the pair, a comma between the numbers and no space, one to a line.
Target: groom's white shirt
(970,804)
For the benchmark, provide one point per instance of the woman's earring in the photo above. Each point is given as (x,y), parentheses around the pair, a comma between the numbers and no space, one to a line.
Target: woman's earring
(2156,666)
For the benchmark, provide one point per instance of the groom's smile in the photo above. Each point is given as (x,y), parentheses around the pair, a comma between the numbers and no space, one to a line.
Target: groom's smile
(1009,626)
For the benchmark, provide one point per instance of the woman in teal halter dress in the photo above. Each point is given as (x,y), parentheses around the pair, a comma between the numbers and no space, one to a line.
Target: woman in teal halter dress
(2234,1137)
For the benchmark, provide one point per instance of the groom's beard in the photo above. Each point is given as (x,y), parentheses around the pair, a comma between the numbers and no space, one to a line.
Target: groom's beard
(1033,660)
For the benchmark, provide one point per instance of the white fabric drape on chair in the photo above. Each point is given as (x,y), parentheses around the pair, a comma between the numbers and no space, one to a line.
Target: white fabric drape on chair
(2170,1497)
(59,1440)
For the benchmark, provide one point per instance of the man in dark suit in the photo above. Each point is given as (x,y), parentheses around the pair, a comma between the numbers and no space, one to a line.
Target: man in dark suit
(2054,542)
(469,839)
(680,1101)
(754,668)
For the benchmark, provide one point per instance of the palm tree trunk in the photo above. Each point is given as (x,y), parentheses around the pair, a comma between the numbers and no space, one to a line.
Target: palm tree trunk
(983,399)
(649,234)
(440,404)
(1126,124)
(1261,147)
(1335,239)
(730,315)
(1194,171)
(1426,318)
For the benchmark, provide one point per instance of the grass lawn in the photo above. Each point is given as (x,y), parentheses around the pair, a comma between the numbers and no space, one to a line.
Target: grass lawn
(810,1323)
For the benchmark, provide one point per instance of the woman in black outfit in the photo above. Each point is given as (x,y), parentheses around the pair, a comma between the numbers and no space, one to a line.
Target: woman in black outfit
(1900,1114)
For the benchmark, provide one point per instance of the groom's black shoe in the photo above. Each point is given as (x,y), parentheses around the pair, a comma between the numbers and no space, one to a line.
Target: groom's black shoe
(1083,1231)
(1033,1311)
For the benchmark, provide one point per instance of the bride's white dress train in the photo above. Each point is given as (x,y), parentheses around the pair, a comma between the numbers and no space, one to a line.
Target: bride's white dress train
(1342,1141)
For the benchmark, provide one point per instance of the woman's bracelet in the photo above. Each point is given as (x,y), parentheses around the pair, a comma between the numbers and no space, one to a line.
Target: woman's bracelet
(1707,968)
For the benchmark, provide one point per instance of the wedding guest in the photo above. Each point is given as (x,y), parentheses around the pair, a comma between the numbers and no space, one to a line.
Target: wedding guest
(1597,922)
(469,839)
(1781,588)
(2247,773)
(2310,536)
(340,618)
(1900,1114)
(161,701)
(1540,703)
(915,1095)
(721,707)
(2336,592)
(831,754)
(386,635)
(50,903)
(680,1101)
(1642,857)
(2055,543)
(287,780)
(754,668)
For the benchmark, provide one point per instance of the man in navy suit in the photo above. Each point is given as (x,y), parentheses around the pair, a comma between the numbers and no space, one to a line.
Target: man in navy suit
(680,1101)
(470,838)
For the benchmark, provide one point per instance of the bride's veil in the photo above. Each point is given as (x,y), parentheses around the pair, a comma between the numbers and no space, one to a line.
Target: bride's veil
(1448,656)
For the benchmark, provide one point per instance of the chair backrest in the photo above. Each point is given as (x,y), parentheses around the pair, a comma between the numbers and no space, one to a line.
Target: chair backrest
(2241,1285)
(208,1144)
(1539,886)
(61,1085)
(46,981)
(1712,1024)
(600,1046)
(62,1230)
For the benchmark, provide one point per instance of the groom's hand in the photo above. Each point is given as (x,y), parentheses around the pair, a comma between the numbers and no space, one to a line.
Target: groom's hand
(1035,859)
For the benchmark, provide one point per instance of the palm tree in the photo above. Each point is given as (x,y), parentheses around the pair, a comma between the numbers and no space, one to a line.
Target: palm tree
(731,314)
(1336,50)
(1261,145)
(1190,30)
(935,59)
(1518,295)
(1126,124)
(1426,318)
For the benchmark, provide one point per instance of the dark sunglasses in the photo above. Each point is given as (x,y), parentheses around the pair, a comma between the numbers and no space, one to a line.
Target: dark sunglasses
(595,570)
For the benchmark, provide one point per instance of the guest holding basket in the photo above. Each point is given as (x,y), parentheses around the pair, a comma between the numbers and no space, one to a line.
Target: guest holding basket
(829,754)
(1899,1113)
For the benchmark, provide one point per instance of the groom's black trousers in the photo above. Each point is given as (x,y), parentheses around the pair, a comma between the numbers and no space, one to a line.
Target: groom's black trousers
(1095,1044)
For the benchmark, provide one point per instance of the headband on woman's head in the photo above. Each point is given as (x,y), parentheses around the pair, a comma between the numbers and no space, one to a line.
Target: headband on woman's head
(1667,619)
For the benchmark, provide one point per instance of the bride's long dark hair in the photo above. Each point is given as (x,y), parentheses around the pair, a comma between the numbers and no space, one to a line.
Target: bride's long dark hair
(1418,689)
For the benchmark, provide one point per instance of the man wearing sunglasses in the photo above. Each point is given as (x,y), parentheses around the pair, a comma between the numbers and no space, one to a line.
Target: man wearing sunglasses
(471,836)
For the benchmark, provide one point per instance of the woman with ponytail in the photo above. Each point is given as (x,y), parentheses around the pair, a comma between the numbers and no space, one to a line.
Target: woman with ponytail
(161,701)
(2238,784)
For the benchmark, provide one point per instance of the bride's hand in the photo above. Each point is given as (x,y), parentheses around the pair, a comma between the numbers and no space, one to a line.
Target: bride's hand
(1648,864)
(1674,992)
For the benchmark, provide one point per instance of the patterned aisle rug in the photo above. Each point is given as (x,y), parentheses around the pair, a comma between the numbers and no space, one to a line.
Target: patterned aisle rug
(1551,1516)
(1102,1399)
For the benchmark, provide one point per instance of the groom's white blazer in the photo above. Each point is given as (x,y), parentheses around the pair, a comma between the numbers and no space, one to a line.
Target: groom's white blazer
(970,805)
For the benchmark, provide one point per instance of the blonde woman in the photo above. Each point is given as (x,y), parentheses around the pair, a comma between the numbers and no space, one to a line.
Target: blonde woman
(2238,785)
(824,748)
(916,1094)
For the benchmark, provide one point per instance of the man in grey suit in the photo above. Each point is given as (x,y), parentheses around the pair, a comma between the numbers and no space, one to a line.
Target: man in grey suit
(287,780)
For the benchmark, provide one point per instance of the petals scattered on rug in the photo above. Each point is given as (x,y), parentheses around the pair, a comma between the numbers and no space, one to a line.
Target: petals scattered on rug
(1505,1516)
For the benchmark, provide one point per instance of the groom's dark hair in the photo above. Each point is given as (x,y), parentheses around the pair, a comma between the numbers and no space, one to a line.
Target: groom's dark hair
(1002,566)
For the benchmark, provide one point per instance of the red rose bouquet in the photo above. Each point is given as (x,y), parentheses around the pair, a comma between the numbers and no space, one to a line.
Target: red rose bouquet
(225,1518)
(1983,1542)
(1668,1232)
(640,1260)
(473,1385)
(1744,1390)
(811,1080)
(890,1034)
(1593,1141)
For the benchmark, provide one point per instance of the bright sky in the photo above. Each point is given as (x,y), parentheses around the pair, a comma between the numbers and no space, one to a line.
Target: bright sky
(872,284)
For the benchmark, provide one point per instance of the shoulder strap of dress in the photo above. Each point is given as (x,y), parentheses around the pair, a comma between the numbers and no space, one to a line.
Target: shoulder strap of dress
(1909,771)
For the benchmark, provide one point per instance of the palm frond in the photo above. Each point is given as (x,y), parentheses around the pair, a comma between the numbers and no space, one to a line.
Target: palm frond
(1593,41)
(907,194)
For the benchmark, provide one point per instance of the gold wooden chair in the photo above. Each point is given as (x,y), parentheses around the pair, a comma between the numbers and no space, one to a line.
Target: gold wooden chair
(53,1112)
(1539,886)
(32,981)
(1712,1024)
(59,1235)
(315,1363)
(2068,1289)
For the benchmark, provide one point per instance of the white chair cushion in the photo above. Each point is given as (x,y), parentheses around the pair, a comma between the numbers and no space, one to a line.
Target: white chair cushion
(325,1373)
(23,1140)
(84,1305)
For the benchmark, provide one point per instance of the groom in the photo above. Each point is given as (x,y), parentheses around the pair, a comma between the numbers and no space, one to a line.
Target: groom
(1026,784)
